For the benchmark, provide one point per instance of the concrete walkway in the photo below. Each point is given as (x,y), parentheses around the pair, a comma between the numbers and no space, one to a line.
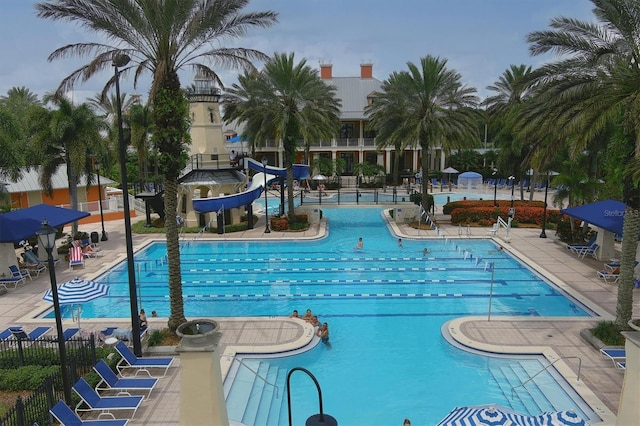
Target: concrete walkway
(547,256)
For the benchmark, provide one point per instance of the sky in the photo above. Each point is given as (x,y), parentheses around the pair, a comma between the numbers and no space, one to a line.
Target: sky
(480,39)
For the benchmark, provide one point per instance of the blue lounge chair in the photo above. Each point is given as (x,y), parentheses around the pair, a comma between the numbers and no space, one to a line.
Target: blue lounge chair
(7,334)
(90,400)
(109,380)
(614,354)
(66,417)
(33,267)
(4,282)
(19,273)
(35,334)
(591,251)
(68,333)
(579,247)
(130,360)
(622,365)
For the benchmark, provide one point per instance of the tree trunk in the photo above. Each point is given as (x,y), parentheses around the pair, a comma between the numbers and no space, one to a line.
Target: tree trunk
(73,192)
(396,168)
(424,162)
(173,255)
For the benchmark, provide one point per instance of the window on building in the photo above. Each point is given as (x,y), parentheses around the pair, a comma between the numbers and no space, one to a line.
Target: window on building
(347,131)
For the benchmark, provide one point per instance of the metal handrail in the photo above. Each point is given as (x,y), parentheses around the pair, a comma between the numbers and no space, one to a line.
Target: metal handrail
(256,374)
(513,388)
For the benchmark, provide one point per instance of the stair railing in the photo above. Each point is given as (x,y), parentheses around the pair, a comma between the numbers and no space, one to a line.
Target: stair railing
(258,375)
(513,388)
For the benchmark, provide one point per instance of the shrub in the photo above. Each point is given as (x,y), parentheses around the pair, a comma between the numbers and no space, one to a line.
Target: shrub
(609,333)
(279,223)
(29,377)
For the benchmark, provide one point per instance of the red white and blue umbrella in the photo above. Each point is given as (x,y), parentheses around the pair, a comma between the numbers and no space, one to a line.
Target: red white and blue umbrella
(76,292)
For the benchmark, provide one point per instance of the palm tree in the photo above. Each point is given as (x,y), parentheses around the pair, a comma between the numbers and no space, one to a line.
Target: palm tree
(593,84)
(511,91)
(438,108)
(67,135)
(161,37)
(140,124)
(284,101)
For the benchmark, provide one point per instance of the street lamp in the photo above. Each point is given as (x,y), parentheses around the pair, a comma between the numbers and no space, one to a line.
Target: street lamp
(266,205)
(47,240)
(512,180)
(119,61)
(317,419)
(543,233)
(104,234)
(495,187)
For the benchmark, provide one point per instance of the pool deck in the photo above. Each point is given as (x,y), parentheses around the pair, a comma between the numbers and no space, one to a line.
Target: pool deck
(553,337)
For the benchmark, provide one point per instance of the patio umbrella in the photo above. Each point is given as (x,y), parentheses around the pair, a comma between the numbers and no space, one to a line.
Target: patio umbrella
(487,415)
(76,292)
(319,177)
(449,171)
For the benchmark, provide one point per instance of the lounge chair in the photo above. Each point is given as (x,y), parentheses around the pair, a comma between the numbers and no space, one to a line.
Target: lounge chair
(68,333)
(110,381)
(35,334)
(6,334)
(130,360)
(609,276)
(33,267)
(4,282)
(578,247)
(30,258)
(66,417)
(614,354)
(621,365)
(591,251)
(19,273)
(76,258)
(90,400)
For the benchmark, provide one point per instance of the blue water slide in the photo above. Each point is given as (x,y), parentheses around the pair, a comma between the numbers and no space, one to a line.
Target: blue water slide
(253,191)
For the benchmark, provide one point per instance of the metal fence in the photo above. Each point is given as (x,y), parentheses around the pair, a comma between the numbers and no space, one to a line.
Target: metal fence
(81,353)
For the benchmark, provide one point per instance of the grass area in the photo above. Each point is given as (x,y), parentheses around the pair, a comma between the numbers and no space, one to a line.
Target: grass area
(609,333)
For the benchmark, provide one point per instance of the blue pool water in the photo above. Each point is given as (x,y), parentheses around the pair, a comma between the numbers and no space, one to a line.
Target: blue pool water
(385,306)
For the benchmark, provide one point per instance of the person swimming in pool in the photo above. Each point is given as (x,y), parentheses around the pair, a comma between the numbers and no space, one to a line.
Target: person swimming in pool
(294,314)
(360,244)
(399,242)
(323,332)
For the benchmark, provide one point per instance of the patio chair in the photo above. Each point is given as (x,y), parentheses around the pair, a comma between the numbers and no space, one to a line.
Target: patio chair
(621,365)
(614,354)
(76,258)
(33,267)
(35,334)
(579,247)
(19,273)
(68,333)
(130,360)
(110,381)
(609,276)
(66,417)
(591,251)
(4,282)
(30,258)
(91,401)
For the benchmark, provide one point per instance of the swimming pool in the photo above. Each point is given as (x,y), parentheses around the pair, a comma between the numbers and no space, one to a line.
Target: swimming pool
(385,306)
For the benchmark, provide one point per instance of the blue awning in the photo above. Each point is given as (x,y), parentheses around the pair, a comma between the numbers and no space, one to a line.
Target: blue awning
(607,214)
(24,223)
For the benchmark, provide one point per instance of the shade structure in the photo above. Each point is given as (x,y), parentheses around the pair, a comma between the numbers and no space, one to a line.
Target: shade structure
(24,223)
(76,292)
(497,415)
(607,214)
(319,177)
(469,180)
(450,170)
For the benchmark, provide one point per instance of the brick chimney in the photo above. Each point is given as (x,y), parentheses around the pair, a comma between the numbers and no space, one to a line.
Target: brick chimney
(325,71)
(366,70)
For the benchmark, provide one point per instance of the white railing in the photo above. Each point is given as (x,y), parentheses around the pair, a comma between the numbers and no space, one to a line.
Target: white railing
(111,204)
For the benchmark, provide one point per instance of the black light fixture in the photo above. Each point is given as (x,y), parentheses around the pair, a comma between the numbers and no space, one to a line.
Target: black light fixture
(512,180)
(120,61)
(495,187)
(543,233)
(47,240)
(320,419)
(266,205)
(104,234)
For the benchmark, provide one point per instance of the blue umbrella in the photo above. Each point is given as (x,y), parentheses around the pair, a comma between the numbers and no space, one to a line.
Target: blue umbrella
(565,418)
(24,223)
(76,292)
(487,415)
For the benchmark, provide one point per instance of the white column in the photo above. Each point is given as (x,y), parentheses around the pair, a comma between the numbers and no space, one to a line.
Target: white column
(629,409)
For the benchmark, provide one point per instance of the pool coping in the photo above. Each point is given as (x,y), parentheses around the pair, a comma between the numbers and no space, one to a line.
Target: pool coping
(454,330)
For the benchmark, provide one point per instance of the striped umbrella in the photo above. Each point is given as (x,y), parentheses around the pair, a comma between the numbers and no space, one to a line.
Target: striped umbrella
(487,415)
(76,292)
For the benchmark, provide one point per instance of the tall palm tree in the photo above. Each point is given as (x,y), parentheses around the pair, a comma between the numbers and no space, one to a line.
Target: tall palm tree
(66,135)
(594,83)
(510,92)
(438,108)
(18,102)
(386,123)
(140,124)
(11,149)
(287,100)
(161,37)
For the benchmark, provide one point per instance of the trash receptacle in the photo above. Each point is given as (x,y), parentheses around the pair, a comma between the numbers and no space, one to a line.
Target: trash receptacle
(95,238)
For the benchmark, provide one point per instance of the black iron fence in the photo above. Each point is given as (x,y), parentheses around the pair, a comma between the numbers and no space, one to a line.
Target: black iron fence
(34,408)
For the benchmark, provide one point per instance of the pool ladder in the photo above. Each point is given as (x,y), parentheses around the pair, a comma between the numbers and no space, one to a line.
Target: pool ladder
(513,388)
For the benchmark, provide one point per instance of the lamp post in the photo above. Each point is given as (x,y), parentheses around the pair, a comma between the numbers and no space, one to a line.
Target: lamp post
(543,233)
(104,234)
(266,205)
(512,180)
(47,240)
(120,61)
(320,419)
(495,187)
